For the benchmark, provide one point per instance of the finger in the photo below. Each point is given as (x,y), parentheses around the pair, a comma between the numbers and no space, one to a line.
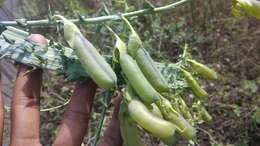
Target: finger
(37,38)
(112,135)
(76,117)
(1,115)
(25,116)
(117,102)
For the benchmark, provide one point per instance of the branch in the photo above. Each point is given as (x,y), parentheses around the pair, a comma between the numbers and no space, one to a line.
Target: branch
(107,99)
(46,22)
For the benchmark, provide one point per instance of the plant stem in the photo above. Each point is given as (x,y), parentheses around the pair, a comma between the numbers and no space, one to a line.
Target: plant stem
(102,117)
(55,107)
(47,22)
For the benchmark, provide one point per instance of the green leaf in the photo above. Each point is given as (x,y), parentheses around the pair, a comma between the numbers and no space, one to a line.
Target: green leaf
(73,70)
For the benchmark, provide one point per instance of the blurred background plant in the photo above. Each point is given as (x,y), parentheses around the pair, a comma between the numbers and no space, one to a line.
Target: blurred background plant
(228,44)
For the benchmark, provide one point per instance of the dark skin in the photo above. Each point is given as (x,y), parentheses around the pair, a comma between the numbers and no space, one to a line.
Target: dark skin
(25,114)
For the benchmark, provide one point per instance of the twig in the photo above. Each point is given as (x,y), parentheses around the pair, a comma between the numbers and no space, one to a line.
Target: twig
(46,22)
(223,105)
(55,107)
(8,108)
(208,133)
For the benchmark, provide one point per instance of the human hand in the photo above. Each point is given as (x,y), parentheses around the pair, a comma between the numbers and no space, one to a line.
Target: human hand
(25,114)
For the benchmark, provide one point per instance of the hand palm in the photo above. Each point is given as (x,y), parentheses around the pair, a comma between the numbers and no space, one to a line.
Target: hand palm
(25,119)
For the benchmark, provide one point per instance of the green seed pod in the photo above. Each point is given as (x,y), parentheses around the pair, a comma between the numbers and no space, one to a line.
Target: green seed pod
(246,7)
(185,111)
(171,141)
(187,131)
(144,61)
(205,115)
(93,63)
(155,111)
(195,87)
(153,75)
(134,42)
(203,70)
(129,130)
(134,75)
(156,126)
(130,133)
(137,80)
(183,127)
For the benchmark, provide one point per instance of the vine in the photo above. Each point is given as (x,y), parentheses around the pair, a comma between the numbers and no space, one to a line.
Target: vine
(94,20)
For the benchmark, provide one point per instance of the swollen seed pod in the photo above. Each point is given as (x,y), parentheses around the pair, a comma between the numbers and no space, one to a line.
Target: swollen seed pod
(195,87)
(255,8)
(134,42)
(183,127)
(93,63)
(131,94)
(130,134)
(187,131)
(205,115)
(144,61)
(155,111)
(185,111)
(203,70)
(137,80)
(154,76)
(246,7)
(156,126)
(134,75)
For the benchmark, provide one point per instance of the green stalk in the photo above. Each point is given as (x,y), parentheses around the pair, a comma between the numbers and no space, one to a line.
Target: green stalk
(100,19)
(102,117)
